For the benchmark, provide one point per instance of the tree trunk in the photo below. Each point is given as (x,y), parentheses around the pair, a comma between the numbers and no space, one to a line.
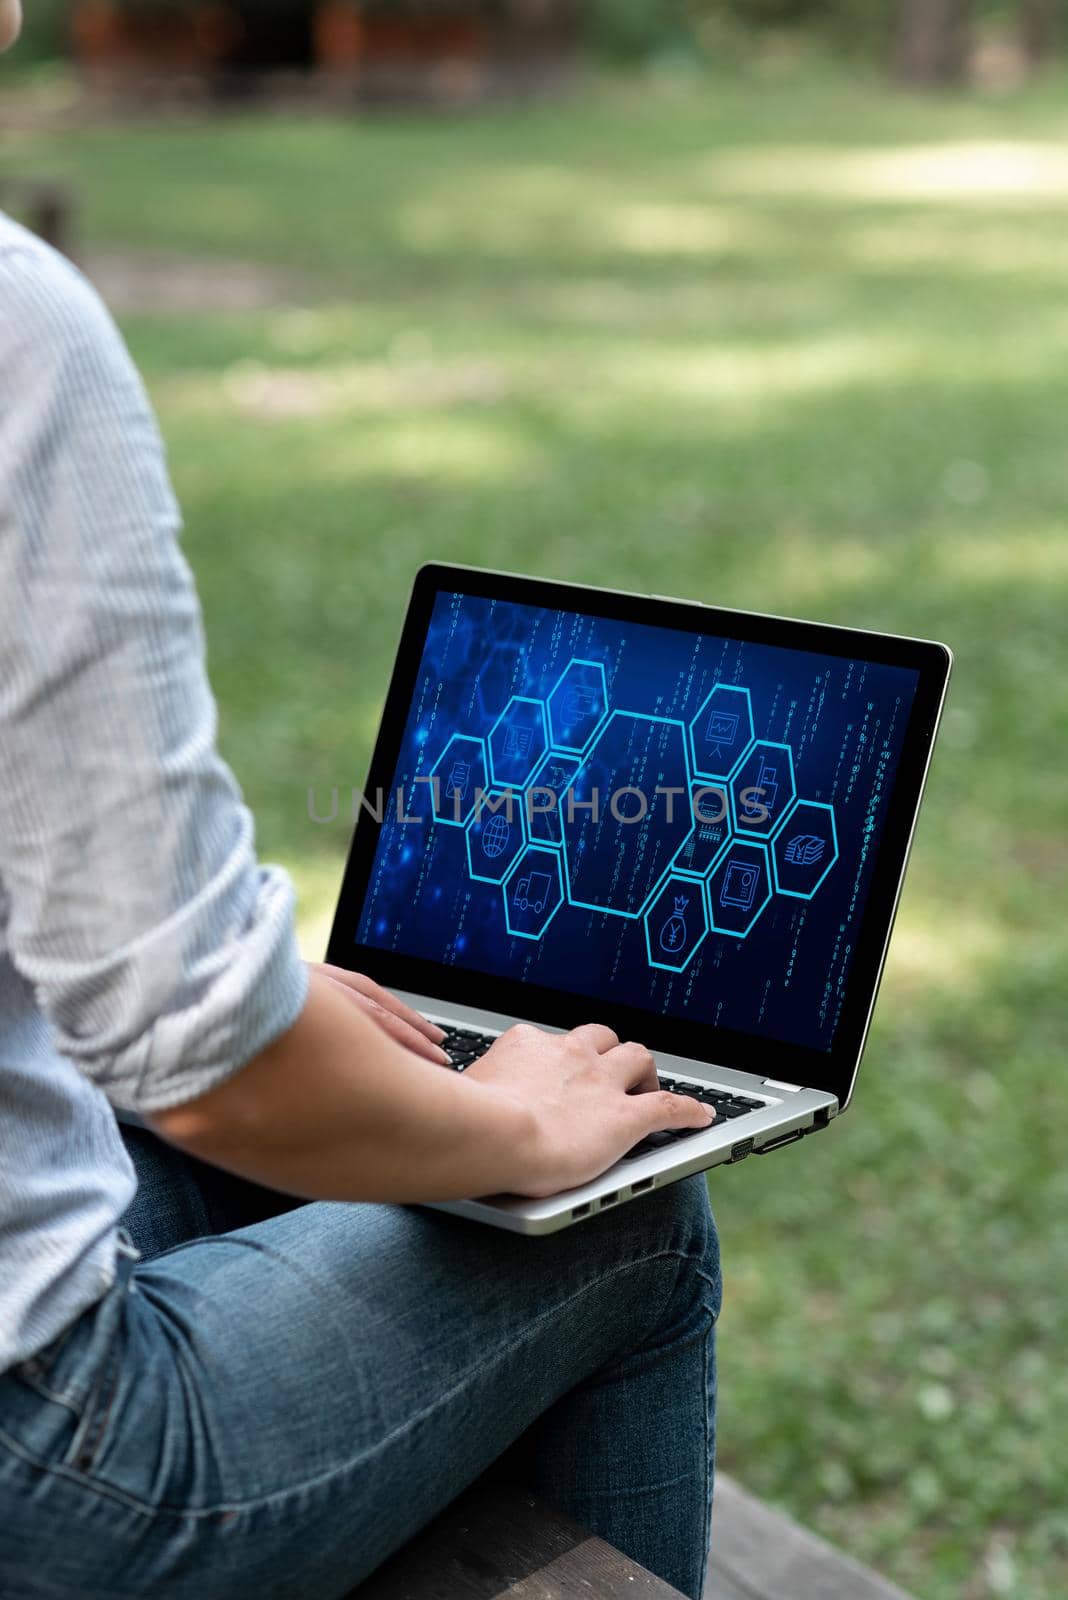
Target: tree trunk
(932,42)
(1038,30)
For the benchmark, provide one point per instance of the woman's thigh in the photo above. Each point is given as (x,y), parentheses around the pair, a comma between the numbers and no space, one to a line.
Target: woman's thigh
(179,1198)
(282,1406)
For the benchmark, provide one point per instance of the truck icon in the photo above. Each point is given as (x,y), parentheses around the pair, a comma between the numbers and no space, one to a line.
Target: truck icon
(532,891)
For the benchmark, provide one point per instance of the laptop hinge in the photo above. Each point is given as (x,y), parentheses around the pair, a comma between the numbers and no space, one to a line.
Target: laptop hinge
(774,1083)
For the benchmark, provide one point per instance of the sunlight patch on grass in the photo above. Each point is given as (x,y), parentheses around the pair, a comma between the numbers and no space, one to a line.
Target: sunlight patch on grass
(307,330)
(225,210)
(264,392)
(340,424)
(935,955)
(809,568)
(527,212)
(705,371)
(759,371)
(934,241)
(972,173)
(659,229)
(259,392)
(453,449)
(504,213)
(1020,558)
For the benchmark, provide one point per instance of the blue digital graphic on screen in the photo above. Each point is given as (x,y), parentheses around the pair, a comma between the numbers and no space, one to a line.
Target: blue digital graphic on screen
(673,821)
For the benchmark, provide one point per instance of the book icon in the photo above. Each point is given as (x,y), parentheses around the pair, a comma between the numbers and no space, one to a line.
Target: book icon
(516,742)
(458,779)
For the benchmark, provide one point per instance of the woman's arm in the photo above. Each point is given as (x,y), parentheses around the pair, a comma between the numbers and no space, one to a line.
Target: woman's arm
(335,1110)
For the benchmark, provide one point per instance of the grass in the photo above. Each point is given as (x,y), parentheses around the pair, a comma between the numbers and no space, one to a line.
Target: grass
(789,343)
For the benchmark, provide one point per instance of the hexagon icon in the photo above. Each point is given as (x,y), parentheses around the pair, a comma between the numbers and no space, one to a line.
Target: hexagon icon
(805,849)
(621,827)
(721,731)
(675,924)
(517,742)
(533,892)
(762,788)
(577,705)
(544,799)
(495,835)
(461,772)
(711,813)
(740,887)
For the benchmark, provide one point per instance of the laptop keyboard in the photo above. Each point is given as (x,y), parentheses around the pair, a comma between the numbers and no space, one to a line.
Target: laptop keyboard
(464,1045)
(728,1104)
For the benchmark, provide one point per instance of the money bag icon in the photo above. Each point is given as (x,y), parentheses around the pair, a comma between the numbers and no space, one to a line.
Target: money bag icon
(673,934)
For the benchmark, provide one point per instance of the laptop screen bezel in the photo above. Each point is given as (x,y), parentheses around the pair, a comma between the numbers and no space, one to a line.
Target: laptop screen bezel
(833,1070)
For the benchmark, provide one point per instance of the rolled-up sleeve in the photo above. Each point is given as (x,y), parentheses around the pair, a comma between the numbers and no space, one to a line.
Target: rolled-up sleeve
(162,954)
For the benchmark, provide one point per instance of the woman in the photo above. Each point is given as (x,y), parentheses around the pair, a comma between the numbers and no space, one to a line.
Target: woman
(215,1379)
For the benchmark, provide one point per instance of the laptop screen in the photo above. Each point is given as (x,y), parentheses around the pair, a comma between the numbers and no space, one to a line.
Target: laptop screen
(675,822)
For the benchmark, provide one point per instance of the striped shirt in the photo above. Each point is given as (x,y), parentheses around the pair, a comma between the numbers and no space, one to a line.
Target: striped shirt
(144,955)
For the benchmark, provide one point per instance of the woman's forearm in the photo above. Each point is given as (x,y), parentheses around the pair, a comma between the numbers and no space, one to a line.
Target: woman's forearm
(336,1110)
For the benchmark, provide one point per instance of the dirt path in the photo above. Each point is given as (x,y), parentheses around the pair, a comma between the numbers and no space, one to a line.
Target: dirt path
(132,281)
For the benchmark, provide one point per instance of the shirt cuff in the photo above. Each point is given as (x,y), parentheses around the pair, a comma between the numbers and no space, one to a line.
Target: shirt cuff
(256,991)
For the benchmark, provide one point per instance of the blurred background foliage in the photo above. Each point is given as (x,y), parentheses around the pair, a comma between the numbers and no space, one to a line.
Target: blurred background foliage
(924,39)
(747,323)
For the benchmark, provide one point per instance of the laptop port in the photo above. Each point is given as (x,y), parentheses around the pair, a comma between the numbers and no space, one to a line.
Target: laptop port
(777,1144)
(609,1199)
(581,1211)
(641,1186)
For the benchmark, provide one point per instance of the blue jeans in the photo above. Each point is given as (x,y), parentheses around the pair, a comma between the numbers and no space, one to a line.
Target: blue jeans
(271,1401)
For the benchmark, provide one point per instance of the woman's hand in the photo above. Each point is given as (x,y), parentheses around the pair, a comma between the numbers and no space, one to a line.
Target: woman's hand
(591,1100)
(391,1014)
(336,1109)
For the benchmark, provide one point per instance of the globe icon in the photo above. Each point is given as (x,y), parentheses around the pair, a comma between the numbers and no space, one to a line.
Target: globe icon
(495,836)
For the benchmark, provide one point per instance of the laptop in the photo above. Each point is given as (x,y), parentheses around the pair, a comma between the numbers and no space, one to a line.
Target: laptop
(686,822)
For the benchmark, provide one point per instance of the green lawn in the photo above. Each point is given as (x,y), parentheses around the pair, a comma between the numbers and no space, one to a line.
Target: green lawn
(790,344)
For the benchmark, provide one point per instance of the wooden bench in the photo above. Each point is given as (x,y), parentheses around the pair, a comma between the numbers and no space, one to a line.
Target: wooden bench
(502,1541)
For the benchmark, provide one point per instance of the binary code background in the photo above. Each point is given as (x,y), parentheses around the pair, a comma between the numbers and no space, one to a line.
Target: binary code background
(436,891)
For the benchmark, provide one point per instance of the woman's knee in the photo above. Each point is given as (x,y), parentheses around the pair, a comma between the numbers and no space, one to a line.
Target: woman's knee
(677,1220)
(669,1240)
